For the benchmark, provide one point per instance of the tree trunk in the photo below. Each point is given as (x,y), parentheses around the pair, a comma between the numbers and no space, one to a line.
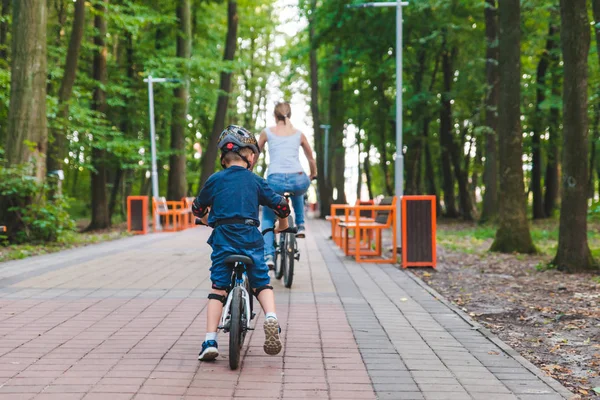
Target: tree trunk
(552,173)
(490,172)
(210,153)
(415,148)
(57,146)
(591,183)
(382,119)
(430,171)
(573,253)
(27,131)
(323,182)
(446,139)
(336,116)
(115,191)
(177,184)
(538,127)
(100,215)
(27,112)
(4,30)
(464,198)
(513,231)
(477,166)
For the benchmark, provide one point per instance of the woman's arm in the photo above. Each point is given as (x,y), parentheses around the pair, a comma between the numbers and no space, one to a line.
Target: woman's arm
(262,139)
(309,156)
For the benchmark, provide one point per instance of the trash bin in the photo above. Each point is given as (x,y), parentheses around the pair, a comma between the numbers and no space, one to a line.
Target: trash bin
(137,214)
(418,231)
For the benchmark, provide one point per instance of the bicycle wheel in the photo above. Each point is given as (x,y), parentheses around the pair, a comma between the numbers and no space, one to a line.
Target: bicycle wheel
(276,255)
(290,251)
(236,331)
(281,255)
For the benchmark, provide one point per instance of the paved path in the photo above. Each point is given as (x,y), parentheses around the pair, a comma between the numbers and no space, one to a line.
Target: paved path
(124,320)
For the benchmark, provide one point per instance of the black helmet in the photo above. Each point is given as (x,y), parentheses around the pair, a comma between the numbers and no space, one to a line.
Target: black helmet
(234,138)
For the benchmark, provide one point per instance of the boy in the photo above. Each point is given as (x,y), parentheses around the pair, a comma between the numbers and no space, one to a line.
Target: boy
(233,197)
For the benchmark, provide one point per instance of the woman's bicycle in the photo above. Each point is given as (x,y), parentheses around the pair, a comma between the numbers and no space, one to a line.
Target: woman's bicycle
(286,251)
(238,310)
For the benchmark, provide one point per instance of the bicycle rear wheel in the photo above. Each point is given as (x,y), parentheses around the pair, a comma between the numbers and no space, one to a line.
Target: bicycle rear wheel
(290,251)
(236,332)
(281,256)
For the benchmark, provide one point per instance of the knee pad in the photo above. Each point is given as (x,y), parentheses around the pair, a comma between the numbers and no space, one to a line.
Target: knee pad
(220,297)
(260,289)
(283,208)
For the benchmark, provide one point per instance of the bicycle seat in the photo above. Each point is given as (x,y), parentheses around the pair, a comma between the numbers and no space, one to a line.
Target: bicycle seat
(239,259)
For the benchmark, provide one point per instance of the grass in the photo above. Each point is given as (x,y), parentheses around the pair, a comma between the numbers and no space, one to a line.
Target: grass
(473,238)
(69,240)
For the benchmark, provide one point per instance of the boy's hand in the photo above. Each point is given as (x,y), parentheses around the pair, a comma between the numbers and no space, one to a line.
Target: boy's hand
(281,225)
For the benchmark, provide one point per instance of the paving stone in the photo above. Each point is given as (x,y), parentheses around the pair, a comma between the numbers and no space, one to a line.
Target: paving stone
(124,320)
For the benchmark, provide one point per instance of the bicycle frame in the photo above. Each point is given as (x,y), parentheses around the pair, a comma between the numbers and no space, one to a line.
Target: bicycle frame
(241,278)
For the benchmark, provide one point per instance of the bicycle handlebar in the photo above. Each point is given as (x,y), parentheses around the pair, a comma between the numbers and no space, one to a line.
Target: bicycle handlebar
(292,229)
(288,230)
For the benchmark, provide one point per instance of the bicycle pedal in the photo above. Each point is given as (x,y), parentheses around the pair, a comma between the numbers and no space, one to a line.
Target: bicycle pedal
(253,315)
(297,256)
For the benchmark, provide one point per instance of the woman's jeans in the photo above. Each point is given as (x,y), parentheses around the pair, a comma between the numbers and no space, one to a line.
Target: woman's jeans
(297,184)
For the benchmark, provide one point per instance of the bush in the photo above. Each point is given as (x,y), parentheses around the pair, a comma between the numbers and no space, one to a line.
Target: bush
(30,217)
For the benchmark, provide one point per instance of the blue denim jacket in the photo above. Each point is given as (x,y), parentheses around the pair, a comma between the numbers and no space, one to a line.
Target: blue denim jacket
(236,192)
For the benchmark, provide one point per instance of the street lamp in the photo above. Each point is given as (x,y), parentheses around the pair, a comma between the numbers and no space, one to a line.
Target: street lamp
(325,167)
(154,172)
(399,178)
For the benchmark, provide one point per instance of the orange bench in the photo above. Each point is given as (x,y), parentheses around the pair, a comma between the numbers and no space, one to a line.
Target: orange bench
(365,231)
(187,206)
(173,213)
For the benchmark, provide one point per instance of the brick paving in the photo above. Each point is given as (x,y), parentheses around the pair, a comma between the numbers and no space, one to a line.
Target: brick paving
(125,319)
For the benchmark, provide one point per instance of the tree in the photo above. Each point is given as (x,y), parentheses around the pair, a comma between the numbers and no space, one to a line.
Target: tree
(325,192)
(551,178)
(490,172)
(57,145)
(336,116)
(573,253)
(538,126)
(210,155)
(513,231)
(177,186)
(446,136)
(27,132)
(100,214)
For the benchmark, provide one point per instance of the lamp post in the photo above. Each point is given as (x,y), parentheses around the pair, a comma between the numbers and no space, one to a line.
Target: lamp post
(399,175)
(154,170)
(326,161)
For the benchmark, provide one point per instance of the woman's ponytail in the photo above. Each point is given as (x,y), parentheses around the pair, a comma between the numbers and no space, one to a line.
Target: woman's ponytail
(283,111)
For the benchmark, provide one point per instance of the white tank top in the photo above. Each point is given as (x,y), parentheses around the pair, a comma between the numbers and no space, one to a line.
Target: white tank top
(284,153)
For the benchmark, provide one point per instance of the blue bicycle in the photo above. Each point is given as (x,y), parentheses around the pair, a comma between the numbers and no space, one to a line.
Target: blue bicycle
(238,310)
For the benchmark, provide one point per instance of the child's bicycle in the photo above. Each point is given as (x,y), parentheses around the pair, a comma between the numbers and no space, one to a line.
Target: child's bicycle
(238,310)
(286,251)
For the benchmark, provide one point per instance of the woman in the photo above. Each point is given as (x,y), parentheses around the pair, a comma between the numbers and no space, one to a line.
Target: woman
(285,170)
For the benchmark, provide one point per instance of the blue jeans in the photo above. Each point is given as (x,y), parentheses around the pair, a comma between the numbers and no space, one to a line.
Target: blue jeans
(220,274)
(298,184)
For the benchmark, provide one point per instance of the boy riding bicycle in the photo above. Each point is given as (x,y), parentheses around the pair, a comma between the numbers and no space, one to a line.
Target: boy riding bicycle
(233,196)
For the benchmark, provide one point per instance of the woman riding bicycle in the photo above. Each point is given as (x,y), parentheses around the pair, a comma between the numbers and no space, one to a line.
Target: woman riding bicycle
(285,171)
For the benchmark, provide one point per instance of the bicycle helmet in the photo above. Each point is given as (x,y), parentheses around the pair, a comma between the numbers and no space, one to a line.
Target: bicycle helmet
(234,138)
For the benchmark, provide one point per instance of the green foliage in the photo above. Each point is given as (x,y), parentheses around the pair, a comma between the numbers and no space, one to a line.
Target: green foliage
(24,197)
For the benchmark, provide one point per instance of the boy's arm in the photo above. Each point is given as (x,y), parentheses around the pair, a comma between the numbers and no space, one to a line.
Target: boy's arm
(202,203)
(277,203)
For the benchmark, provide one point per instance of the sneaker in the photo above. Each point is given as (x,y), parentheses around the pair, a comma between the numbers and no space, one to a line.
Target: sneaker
(270,262)
(301,234)
(272,344)
(210,350)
